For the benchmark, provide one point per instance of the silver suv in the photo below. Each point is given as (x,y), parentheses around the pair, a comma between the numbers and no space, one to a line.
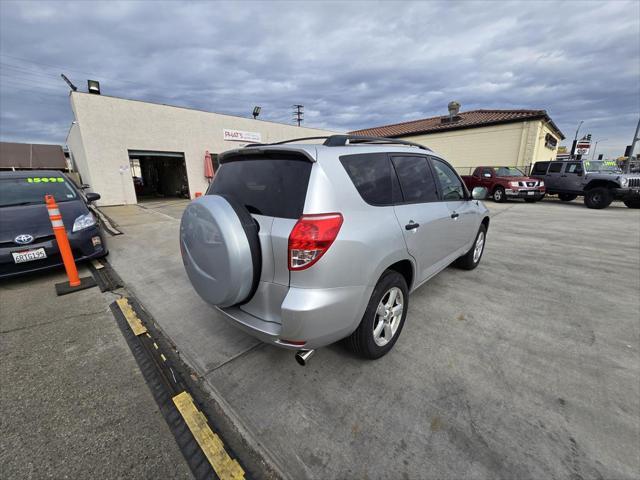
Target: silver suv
(302,245)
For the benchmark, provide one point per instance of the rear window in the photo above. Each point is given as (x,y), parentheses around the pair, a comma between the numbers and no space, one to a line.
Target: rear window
(31,190)
(371,175)
(275,187)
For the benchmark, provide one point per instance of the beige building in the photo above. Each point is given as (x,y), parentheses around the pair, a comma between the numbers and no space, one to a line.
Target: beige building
(481,137)
(130,150)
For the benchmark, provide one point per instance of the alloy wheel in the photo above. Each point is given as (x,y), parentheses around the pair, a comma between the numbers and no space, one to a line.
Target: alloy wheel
(388,316)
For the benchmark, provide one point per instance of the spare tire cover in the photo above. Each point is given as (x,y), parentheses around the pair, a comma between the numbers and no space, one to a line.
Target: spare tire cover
(220,250)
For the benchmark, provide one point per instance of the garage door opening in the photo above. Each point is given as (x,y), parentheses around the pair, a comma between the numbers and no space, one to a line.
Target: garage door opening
(158,175)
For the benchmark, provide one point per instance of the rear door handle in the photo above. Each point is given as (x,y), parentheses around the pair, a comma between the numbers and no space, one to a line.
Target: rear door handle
(455,215)
(411,225)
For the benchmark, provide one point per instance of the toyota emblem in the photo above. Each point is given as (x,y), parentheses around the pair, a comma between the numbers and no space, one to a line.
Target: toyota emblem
(23,239)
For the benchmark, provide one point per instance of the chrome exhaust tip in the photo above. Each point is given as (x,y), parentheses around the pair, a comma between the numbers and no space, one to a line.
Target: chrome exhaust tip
(303,356)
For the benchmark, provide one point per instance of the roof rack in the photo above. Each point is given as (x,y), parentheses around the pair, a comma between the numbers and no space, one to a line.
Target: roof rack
(345,140)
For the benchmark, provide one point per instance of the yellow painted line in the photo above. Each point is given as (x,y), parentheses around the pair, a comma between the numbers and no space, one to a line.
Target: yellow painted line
(225,467)
(96,264)
(134,322)
(164,359)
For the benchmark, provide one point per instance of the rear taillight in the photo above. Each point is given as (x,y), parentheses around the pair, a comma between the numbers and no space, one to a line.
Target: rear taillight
(311,237)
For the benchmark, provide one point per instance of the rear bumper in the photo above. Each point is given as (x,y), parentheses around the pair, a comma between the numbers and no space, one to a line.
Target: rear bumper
(317,317)
(81,245)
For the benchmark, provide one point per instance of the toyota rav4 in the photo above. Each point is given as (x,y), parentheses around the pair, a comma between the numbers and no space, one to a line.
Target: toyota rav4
(302,245)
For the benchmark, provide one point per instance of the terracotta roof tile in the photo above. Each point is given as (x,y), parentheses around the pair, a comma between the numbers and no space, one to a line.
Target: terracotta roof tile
(471,119)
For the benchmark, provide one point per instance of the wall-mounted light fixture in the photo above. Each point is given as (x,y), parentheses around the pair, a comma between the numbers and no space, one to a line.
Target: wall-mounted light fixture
(93,86)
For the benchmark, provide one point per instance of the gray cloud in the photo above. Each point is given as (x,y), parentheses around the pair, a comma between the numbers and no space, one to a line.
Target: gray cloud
(353,65)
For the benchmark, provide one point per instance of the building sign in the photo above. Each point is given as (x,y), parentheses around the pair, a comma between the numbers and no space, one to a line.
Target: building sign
(240,136)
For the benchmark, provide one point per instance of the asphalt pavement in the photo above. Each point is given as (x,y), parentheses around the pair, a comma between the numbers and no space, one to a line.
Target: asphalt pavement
(73,401)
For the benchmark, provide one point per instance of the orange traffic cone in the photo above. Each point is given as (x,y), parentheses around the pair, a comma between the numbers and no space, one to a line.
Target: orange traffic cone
(75,282)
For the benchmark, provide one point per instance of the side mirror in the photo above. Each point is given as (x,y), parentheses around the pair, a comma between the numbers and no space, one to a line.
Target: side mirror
(92,197)
(486,175)
(579,173)
(479,193)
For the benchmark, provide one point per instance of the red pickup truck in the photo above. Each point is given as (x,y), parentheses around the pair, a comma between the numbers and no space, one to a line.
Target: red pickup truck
(506,182)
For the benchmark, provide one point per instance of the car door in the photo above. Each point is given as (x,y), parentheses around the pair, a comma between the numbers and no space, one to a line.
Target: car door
(487,179)
(553,180)
(572,176)
(462,223)
(422,217)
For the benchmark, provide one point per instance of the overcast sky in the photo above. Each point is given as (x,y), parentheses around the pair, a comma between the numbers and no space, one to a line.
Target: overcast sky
(352,65)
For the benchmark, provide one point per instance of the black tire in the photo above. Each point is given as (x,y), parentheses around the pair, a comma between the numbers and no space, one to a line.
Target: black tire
(467,261)
(635,203)
(567,197)
(598,198)
(362,342)
(499,195)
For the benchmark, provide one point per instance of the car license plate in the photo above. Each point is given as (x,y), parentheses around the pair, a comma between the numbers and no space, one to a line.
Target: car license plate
(29,255)
(531,193)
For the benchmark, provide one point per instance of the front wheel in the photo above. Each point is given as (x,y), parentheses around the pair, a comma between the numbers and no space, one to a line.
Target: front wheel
(471,259)
(567,197)
(499,195)
(635,203)
(383,319)
(598,197)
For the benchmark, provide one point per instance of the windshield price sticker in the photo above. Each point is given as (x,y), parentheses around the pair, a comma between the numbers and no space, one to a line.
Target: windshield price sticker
(45,180)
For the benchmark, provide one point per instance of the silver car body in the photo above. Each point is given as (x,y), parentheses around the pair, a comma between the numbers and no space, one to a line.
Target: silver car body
(326,302)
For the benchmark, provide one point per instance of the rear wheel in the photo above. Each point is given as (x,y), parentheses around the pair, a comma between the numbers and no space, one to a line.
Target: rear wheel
(598,197)
(499,195)
(383,319)
(635,203)
(471,259)
(567,197)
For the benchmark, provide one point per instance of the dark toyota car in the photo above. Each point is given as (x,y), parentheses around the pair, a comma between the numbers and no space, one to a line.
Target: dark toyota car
(27,242)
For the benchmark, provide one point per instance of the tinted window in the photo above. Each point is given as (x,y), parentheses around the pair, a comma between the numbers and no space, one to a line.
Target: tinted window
(416,181)
(275,187)
(555,167)
(371,175)
(573,167)
(450,185)
(540,168)
(487,171)
(31,190)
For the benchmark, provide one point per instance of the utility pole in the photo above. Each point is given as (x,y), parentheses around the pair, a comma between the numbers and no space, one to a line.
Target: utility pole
(298,113)
(633,146)
(593,155)
(575,140)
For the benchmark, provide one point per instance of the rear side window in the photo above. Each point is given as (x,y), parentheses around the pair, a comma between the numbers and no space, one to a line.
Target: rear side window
(555,167)
(416,180)
(540,168)
(371,175)
(271,186)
